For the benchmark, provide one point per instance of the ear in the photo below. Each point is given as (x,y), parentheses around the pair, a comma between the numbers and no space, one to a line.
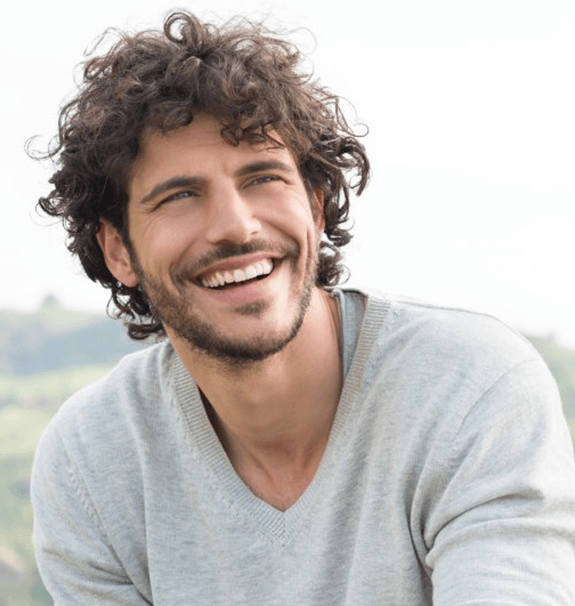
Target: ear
(317,203)
(116,254)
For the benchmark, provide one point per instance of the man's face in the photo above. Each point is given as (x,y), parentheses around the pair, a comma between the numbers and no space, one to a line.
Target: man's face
(224,240)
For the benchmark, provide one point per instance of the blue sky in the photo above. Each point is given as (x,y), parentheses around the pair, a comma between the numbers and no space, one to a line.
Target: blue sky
(472,140)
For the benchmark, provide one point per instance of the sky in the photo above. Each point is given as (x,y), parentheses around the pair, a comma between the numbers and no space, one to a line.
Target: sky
(470,109)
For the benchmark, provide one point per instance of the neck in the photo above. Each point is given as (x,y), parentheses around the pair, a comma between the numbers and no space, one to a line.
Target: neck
(274,417)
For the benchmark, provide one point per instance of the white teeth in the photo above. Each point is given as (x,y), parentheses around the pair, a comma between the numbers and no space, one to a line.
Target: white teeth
(261,268)
(250,272)
(239,275)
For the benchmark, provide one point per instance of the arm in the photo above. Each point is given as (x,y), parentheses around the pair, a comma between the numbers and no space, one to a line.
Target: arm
(502,530)
(75,556)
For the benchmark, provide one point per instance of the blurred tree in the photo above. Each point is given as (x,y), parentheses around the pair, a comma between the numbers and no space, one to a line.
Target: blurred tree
(561,362)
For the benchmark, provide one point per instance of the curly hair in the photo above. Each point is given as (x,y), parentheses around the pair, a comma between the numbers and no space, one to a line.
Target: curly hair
(240,73)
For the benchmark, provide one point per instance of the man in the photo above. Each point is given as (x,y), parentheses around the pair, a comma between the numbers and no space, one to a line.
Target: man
(289,442)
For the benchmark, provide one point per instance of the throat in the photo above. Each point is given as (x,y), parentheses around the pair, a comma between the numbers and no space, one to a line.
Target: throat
(280,479)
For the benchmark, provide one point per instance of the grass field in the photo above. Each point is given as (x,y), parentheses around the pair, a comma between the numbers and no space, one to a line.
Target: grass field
(48,387)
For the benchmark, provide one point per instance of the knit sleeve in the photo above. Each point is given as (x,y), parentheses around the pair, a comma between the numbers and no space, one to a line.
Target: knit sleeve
(75,557)
(501,524)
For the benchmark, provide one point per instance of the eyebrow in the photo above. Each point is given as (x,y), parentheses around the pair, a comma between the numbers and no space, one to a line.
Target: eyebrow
(187,181)
(263,165)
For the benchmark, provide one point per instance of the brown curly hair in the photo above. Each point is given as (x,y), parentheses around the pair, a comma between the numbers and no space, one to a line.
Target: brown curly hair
(240,73)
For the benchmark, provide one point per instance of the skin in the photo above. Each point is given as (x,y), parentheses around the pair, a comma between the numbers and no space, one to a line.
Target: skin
(269,361)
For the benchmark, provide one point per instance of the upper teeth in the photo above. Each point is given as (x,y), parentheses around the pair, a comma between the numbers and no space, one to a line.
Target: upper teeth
(219,278)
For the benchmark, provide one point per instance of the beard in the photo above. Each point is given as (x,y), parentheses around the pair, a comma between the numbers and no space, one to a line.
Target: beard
(177,311)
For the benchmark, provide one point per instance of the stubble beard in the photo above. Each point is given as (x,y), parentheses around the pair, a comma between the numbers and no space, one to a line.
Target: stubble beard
(177,313)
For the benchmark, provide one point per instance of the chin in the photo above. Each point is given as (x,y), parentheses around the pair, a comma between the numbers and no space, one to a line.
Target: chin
(235,350)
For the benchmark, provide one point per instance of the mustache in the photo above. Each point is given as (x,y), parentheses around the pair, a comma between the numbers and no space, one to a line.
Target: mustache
(191,270)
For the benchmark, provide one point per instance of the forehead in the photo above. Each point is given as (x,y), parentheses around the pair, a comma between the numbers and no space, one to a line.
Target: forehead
(203,136)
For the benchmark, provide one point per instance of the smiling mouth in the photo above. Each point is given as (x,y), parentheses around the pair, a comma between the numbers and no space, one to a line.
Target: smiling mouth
(219,280)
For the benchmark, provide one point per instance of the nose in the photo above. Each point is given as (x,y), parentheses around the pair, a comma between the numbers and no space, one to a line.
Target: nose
(231,218)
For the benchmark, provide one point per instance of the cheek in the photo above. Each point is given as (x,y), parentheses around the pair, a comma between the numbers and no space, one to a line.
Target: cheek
(294,218)
(162,242)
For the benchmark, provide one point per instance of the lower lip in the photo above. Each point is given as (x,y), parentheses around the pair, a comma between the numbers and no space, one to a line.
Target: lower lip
(243,294)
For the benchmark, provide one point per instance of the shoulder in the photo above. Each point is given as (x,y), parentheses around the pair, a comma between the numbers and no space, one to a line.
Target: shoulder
(139,376)
(107,411)
(432,362)
(449,380)
(433,336)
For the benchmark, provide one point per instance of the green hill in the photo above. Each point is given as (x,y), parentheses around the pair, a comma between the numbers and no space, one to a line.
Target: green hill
(55,338)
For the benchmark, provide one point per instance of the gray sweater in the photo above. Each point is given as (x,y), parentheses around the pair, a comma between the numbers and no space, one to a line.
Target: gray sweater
(449,478)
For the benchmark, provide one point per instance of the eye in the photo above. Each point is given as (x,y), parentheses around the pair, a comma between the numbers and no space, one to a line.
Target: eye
(180,195)
(263,179)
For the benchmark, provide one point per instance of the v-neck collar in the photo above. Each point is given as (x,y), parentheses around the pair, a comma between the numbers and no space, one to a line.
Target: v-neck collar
(278,525)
